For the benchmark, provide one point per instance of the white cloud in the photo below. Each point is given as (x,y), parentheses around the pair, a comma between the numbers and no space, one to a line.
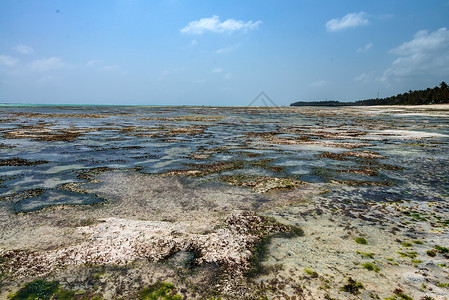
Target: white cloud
(365,48)
(217,70)
(8,61)
(362,77)
(348,21)
(228,76)
(227,49)
(52,63)
(427,54)
(194,43)
(24,49)
(92,63)
(424,42)
(213,24)
(317,84)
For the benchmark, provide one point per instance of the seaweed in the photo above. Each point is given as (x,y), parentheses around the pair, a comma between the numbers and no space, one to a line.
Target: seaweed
(399,295)
(369,255)
(90,174)
(410,254)
(311,273)
(371,267)
(352,286)
(160,290)
(16,161)
(443,250)
(260,250)
(41,289)
(262,184)
(360,240)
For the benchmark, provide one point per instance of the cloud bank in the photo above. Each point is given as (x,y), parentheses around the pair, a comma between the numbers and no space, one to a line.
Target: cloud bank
(213,24)
(348,21)
(24,49)
(227,49)
(8,61)
(427,54)
(365,48)
(362,77)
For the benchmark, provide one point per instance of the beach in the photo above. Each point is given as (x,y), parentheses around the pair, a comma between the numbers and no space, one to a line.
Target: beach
(230,202)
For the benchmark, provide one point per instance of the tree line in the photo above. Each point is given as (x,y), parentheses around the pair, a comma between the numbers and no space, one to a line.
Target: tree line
(437,95)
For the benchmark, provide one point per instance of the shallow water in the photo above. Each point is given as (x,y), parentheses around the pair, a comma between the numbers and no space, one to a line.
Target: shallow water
(145,194)
(281,142)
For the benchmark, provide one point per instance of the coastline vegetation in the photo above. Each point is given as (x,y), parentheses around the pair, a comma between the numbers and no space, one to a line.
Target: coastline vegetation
(437,95)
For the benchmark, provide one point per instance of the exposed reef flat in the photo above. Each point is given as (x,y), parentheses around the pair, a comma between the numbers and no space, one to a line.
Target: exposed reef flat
(231,203)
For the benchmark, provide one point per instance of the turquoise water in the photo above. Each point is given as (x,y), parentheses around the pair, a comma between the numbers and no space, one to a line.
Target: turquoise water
(84,105)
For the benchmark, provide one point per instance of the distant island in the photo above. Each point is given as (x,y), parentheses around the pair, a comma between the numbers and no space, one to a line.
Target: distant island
(437,95)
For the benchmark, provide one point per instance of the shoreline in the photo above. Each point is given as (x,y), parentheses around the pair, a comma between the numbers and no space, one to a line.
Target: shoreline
(436,106)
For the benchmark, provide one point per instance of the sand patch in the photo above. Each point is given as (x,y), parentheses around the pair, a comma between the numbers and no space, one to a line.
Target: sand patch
(403,135)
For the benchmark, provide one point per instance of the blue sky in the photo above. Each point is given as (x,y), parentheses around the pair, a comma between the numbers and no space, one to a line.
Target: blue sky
(174,52)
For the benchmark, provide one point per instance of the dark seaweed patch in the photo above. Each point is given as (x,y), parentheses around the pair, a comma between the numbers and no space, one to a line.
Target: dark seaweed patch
(17,197)
(41,289)
(352,287)
(90,174)
(16,161)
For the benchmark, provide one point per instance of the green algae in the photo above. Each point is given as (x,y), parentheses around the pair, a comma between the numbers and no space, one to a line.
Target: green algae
(443,250)
(160,291)
(415,215)
(371,267)
(352,287)
(41,289)
(369,255)
(399,295)
(410,254)
(360,240)
(311,273)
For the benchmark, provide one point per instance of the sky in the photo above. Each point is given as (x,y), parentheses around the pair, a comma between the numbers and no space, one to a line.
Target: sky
(219,53)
